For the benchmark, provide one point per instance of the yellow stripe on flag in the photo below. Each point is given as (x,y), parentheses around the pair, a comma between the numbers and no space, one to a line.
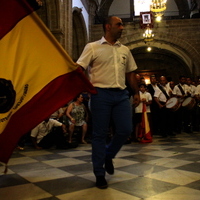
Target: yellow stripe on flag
(147,127)
(37,76)
(29,59)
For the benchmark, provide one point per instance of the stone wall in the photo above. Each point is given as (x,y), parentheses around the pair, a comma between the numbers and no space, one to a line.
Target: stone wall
(57,16)
(177,40)
(178,37)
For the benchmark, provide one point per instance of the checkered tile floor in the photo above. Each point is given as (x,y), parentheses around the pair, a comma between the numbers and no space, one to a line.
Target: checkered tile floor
(167,169)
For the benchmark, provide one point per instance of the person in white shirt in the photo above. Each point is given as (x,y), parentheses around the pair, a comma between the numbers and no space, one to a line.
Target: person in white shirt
(189,113)
(110,65)
(58,114)
(197,108)
(145,98)
(191,89)
(161,96)
(198,90)
(45,135)
(154,106)
(180,91)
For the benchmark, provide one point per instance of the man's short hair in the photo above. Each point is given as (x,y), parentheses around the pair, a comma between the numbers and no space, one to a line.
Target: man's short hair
(106,20)
(142,84)
(182,76)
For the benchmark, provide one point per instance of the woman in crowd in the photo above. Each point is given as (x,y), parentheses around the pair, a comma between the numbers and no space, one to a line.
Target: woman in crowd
(77,114)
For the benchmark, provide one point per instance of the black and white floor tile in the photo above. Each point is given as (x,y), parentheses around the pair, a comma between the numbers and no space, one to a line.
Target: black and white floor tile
(167,169)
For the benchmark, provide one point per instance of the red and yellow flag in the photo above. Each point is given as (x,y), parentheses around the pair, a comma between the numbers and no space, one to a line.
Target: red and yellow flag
(37,76)
(145,135)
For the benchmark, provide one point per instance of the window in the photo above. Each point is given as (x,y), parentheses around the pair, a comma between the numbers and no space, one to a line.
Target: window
(141,6)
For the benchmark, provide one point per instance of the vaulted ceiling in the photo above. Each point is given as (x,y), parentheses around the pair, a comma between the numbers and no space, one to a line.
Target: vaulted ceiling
(104,6)
(164,59)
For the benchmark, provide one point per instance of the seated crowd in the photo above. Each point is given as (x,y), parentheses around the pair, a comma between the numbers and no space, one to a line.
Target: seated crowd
(171,108)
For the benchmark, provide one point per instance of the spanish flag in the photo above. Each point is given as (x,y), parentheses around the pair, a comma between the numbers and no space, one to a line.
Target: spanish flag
(37,76)
(144,135)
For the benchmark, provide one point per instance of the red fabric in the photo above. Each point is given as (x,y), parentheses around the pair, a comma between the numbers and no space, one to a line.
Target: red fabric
(57,93)
(144,136)
(8,15)
(49,97)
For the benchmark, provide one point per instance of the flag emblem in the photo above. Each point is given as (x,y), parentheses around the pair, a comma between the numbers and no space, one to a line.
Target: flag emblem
(39,77)
(7,95)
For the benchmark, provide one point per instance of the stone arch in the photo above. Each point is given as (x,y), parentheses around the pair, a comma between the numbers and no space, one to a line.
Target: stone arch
(42,13)
(50,13)
(105,5)
(168,47)
(53,14)
(162,45)
(182,48)
(161,59)
(103,10)
(183,7)
(79,33)
(57,16)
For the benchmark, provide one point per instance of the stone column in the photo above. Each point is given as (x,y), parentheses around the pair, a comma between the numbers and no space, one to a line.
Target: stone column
(66,20)
(92,13)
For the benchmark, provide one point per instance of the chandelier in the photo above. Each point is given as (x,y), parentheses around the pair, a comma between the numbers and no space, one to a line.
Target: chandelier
(148,35)
(158,6)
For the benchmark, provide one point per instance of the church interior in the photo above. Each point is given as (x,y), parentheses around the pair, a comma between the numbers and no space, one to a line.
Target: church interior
(164,42)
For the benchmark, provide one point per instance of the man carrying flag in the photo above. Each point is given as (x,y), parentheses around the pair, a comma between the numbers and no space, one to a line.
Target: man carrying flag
(36,75)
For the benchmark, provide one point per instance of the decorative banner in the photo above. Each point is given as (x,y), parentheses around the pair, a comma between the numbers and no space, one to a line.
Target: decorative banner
(37,76)
(146,19)
(144,135)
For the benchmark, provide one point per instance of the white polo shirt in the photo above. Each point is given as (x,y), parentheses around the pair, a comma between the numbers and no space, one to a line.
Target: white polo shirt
(197,92)
(191,89)
(160,95)
(44,128)
(177,91)
(147,96)
(107,63)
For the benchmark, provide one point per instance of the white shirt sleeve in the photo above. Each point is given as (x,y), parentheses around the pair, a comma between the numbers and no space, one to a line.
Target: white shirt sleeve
(55,123)
(157,92)
(86,56)
(35,131)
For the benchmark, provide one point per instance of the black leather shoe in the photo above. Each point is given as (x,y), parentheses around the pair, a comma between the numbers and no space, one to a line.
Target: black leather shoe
(109,166)
(101,182)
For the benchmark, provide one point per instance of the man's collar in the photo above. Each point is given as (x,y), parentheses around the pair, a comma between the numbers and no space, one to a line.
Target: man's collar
(103,41)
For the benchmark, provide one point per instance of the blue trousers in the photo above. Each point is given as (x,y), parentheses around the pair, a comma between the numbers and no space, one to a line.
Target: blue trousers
(107,105)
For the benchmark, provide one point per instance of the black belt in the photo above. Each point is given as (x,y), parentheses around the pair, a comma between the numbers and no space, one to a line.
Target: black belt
(112,89)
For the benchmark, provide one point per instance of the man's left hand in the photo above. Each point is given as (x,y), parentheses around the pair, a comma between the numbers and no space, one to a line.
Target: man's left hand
(136,100)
